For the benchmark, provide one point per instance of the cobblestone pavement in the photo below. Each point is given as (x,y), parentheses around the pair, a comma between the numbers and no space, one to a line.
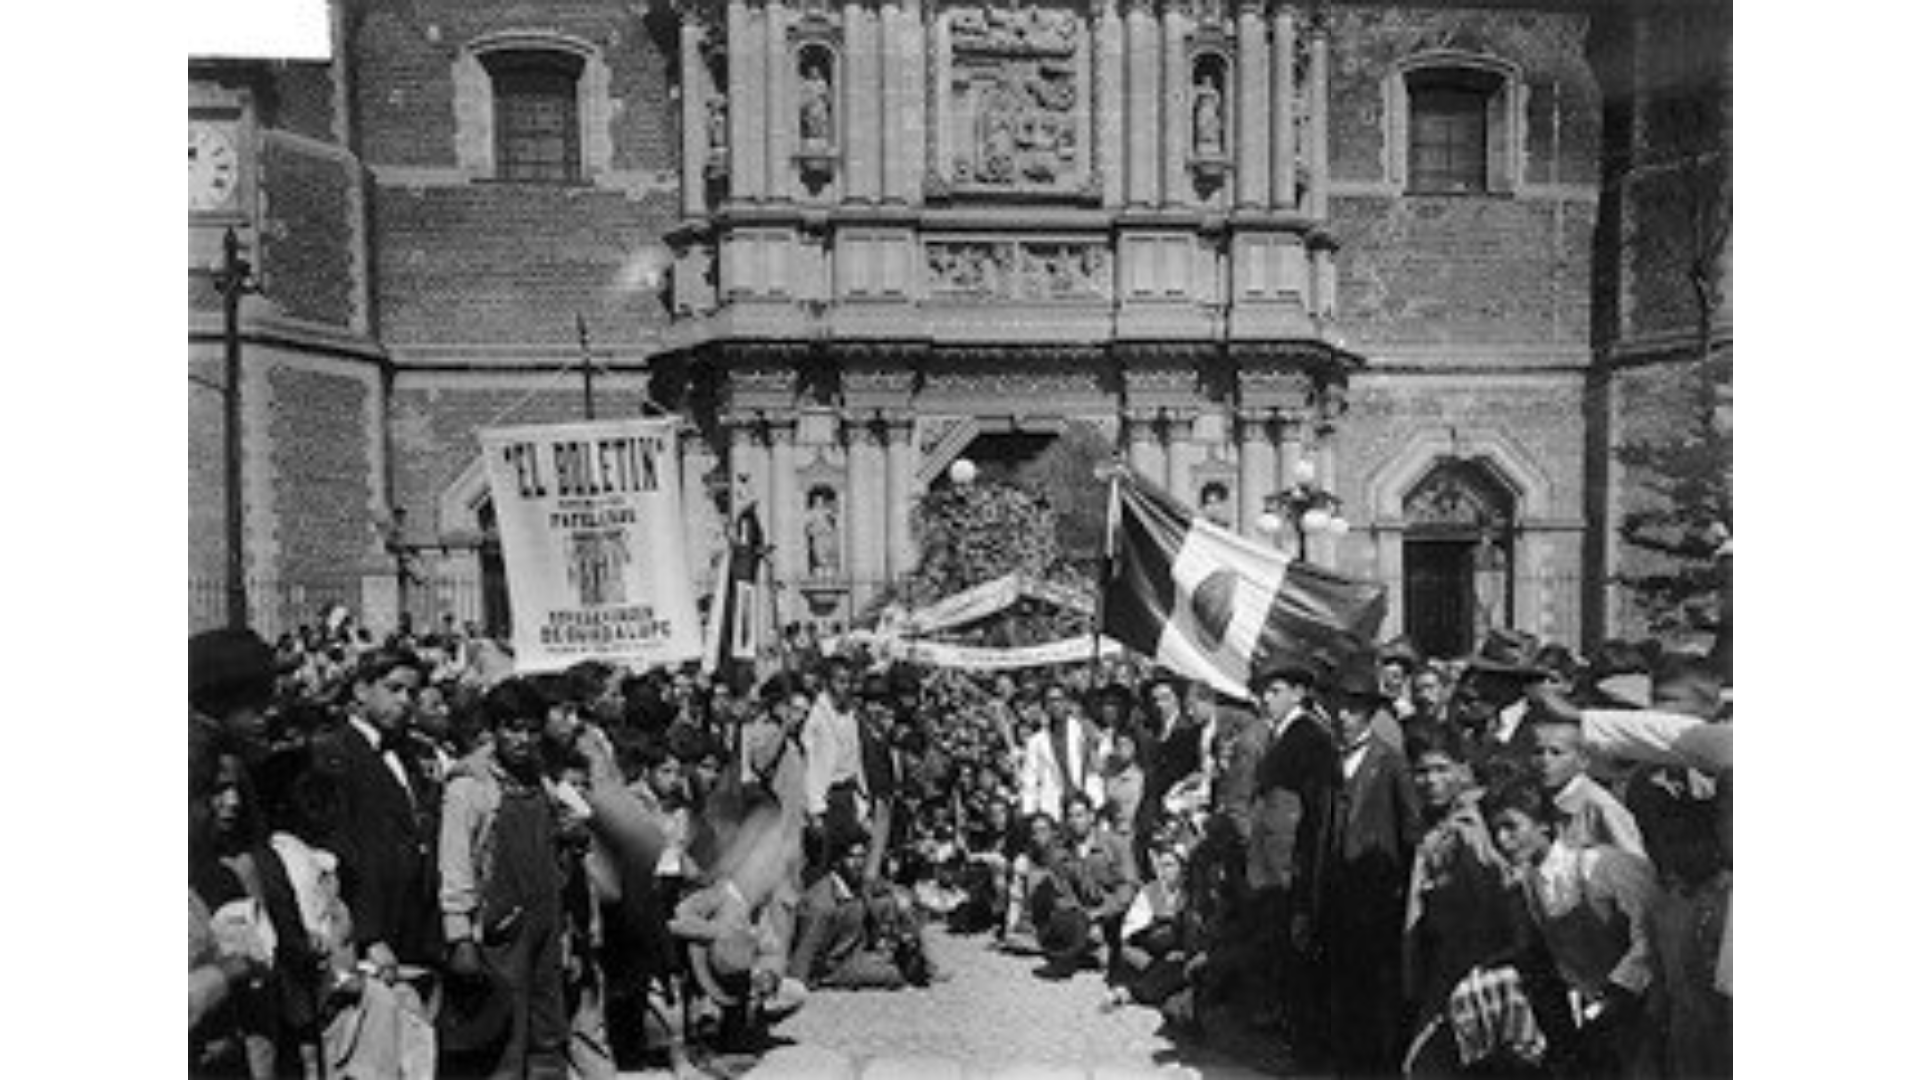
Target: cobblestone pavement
(994,1018)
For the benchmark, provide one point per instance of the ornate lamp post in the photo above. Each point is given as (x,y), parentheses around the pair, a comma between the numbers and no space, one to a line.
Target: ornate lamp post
(1304,505)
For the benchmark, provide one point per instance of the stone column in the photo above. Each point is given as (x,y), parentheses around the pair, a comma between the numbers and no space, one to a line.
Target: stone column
(896,141)
(746,95)
(694,97)
(865,519)
(1110,101)
(1317,90)
(1281,110)
(780,97)
(1182,454)
(784,511)
(1145,454)
(1143,104)
(1250,156)
(859,96)
(1258,467)
(693,498)
(1290,453)
(1176,127)
(900,465)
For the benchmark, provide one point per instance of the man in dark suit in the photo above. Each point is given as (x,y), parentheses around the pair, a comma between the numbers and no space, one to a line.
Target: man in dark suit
(1298,776)
(1376,826)
(388,816)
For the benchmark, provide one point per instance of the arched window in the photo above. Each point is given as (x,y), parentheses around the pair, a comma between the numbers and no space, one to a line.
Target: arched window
(1455,125)
(1447,130)
(536,114)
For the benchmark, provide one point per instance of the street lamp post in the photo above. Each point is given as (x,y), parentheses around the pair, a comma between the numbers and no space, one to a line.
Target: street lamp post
(1304,505)
(233,279)
(586,361)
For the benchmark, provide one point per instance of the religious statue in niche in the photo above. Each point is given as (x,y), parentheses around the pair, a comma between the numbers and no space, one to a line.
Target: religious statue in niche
(1209,136)
(816,104)
(823,532)
(717,125)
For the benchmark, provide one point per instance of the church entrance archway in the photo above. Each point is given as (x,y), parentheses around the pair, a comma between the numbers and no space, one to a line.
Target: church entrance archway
(1458,558)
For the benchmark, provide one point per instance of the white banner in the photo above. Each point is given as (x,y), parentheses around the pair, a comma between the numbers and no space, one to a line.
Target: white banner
(987,598)
(1073,650)
(592,535)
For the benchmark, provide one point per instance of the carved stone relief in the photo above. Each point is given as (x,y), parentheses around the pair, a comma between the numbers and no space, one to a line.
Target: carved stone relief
(1018,270)
(1015,104)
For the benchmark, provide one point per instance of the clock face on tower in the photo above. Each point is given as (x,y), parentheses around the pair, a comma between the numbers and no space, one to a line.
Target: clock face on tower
(213,166)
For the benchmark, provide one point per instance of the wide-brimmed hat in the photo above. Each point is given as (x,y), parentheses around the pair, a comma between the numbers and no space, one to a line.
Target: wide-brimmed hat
(1293,666)
(1687,683)
(1356,677)
(1401,650)
(1513,653)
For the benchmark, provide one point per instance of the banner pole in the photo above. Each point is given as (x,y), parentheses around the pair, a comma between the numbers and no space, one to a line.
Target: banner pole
(1105,571)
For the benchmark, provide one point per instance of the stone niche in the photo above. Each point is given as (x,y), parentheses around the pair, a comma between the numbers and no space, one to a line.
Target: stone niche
(1013,101)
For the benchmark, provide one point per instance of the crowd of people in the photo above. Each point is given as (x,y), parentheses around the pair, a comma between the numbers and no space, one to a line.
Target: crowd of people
(406,859)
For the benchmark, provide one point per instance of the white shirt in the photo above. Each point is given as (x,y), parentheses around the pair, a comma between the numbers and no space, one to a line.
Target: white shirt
(1043,779)
(831,742)
(1351,756)
(372,735)
(1507,722)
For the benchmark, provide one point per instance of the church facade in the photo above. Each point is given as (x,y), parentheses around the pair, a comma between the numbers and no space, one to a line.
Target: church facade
(847,245)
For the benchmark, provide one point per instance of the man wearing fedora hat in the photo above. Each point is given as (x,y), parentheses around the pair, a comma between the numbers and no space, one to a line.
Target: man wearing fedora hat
(1489,702)
(1376,824)
(1297,776)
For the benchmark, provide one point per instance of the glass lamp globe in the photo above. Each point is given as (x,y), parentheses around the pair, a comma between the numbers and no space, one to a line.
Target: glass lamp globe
(963,472)
(1315,520)
(1268,523)
(1303,470)
(1338,526)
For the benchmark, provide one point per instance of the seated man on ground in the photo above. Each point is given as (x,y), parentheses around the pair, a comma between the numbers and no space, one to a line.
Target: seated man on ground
(851,935)
(1087,890)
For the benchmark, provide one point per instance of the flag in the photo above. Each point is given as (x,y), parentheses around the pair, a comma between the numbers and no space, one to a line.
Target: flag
(734,623)
(1215,606)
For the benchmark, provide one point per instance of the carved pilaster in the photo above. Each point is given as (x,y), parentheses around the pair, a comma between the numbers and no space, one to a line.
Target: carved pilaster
(1146,443)
(783,515)
(1182,453)
(1143,104)
(1318,89)
(1281,122)
(898,425)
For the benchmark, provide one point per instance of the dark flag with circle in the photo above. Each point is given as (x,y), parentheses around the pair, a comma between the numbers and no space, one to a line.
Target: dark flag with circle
(1216,606)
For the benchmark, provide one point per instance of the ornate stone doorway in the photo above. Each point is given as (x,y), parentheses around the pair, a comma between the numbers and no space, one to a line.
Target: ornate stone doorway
(1458,558)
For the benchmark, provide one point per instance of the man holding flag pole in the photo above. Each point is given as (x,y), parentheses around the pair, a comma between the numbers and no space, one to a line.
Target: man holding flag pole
(1242,618)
